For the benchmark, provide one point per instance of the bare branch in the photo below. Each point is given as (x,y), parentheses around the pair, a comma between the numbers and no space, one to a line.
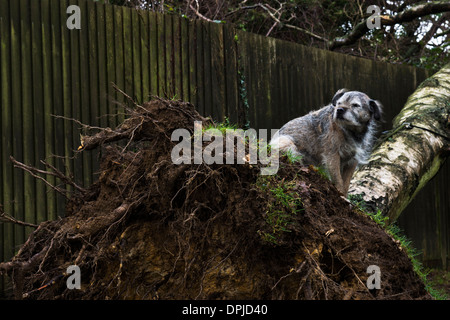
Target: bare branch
(7,218)
(416,11)
(56,173)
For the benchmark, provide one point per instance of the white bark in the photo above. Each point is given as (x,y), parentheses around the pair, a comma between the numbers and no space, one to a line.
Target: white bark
(413,153)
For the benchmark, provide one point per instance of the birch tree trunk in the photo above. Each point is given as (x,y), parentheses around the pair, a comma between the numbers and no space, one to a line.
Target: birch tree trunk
(411,154)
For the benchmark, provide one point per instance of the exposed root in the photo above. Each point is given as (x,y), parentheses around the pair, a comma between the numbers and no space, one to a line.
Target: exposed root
(150,229)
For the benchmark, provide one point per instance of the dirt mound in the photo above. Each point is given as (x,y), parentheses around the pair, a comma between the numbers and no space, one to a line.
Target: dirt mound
(152,229)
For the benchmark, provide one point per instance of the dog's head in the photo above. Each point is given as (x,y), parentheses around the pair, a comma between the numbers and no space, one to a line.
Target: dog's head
(354,109)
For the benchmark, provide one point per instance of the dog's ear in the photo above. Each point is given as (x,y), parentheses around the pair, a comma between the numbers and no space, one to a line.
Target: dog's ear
(337,95)
(375,107)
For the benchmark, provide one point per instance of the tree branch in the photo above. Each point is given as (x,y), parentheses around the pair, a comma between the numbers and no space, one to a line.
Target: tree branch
(416,11)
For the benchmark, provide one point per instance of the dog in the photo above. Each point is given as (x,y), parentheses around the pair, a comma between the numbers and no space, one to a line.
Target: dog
(336,138)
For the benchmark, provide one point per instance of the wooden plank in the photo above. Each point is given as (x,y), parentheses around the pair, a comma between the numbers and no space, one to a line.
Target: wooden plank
(193,41)
(136,60)
(128,51)
(93,64)
(102,82)
(185,59)
(2,19)
(75,91)
(17,119)
(7,186)
(110,65)
(92,112)
(37,107)
(85,95)
(153,43)
(162,65)
(207,72)
(218,81)
(231,74)
(145,53)
(177,74)
(66,88)
(48,110)
(199,69)
(248,87)
(119,62)
(57,89)
(170,56)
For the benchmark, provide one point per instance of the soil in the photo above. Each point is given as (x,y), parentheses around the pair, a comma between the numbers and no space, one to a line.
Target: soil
(152,229)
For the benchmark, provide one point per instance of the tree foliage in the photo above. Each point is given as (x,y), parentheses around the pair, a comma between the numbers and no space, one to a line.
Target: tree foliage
(412,32)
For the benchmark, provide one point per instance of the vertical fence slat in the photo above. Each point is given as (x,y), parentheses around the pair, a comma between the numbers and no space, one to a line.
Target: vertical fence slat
(136,57)
(28,113)
(169,61)
(75,90)
(17,134)
(185,39)
(57,101)
(145,53)
(87,158)
(109,60)
(101,60)
(49,129)
(128,51)
(176,49)
(67,89)
(193,49)
(6,230)
(153,42)
(118,60)
(37,108)
(94,85)
(199,67)
(218,82)
(207,72)
(231,74)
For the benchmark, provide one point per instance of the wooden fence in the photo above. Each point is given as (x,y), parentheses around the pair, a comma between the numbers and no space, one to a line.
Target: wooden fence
(47,69)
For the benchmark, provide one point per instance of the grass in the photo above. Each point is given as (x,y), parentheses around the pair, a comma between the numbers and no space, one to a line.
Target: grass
(279,214)
(222,126)
(396,233)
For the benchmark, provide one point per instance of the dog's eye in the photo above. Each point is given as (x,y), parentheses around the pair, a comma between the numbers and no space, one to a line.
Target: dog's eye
(355,105)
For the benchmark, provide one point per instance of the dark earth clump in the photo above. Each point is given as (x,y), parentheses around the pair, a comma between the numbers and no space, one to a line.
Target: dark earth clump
(152,229)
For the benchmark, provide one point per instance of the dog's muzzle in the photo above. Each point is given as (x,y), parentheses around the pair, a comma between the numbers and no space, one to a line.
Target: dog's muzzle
(340,113)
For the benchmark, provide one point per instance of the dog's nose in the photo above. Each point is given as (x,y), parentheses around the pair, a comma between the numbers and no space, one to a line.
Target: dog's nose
(340,112)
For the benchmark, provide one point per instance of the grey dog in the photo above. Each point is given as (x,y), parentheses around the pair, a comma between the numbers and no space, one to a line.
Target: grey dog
(336,138)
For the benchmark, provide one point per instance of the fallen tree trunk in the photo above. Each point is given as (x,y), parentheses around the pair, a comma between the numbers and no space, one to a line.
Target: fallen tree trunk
(411,154)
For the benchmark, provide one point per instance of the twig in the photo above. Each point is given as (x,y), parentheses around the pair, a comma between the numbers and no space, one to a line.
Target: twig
(198,13)
(7,218)
(32,171)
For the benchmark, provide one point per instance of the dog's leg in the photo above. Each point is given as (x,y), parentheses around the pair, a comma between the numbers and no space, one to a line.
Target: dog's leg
(333,164)
(347,173)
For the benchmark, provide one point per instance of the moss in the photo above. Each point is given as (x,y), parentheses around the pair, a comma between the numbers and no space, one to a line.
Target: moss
(284,205)
(430,82)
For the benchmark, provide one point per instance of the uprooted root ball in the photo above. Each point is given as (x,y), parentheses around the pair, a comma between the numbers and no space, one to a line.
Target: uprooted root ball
(151,229)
